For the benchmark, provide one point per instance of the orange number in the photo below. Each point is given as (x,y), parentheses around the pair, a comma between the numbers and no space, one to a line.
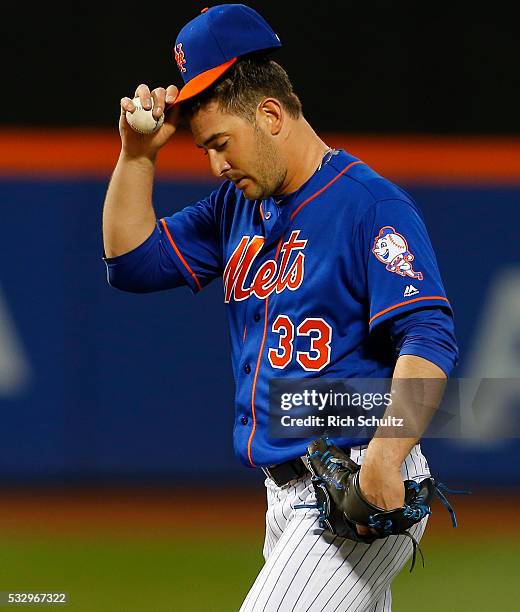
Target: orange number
(282,355)
(320,333)
(320,344)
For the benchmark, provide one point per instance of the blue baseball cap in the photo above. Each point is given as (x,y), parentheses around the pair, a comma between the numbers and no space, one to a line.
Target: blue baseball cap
(212,42)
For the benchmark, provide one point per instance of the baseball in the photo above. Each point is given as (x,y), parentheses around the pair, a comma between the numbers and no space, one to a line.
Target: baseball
(142,120)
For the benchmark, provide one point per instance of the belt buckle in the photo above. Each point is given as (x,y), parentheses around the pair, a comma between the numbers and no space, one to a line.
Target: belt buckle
(270,475)
(283,473)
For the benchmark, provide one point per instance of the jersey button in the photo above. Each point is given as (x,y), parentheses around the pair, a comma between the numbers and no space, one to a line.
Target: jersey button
(244,420)
(256,317)
(247,368)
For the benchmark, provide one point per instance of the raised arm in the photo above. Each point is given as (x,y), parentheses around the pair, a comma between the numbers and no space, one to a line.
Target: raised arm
(128,214)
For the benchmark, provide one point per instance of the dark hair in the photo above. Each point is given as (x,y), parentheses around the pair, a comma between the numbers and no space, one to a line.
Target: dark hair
(241,87)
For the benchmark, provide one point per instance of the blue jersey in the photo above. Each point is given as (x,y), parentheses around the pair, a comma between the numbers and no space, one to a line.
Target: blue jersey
(308,278)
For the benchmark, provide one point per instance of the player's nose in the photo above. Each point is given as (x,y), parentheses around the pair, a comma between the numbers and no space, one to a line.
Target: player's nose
(218,163)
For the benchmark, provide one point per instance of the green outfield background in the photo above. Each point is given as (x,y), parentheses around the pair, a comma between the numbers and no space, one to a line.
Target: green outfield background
(134,552)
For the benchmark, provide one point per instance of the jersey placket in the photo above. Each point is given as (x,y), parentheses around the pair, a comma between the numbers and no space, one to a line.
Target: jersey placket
(275,226)
(245,418)
(269,213)
(253,344)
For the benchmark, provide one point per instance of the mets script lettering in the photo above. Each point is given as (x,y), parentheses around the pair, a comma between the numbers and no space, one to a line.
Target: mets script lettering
(275,275)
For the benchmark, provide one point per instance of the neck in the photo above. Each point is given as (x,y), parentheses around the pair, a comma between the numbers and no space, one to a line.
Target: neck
(304,153)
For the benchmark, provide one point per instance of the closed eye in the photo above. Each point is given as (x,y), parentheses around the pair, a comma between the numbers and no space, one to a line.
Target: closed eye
(217,148)
(221,147)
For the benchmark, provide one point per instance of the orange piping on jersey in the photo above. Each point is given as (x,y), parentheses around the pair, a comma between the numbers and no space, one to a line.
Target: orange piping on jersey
(278,249)
(261,212)
(179,254)
(244,336)
(419,299)
(304,203)
(253,410)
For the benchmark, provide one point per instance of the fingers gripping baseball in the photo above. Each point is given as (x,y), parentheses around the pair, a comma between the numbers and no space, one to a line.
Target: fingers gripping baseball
(148,120)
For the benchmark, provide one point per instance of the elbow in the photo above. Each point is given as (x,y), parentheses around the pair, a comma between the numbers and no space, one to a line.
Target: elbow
(126,283)
(146,269)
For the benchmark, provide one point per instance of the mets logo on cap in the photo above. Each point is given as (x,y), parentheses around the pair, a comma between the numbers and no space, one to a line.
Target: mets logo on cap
(179,57)
(391,248)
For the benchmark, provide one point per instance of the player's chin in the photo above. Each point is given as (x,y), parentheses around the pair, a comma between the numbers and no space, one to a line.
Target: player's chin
(251,190)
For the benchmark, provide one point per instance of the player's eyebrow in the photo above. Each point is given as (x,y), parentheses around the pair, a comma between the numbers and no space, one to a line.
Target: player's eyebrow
(212,137)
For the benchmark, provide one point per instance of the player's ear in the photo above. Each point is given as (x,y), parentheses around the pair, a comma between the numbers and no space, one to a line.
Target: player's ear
(270,112)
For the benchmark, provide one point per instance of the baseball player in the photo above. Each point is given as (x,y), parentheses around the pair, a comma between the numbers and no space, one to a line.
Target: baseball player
(327,271)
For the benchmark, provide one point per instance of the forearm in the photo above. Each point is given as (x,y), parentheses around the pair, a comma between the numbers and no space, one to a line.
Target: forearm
(415,411)
(128,214)
(380,476)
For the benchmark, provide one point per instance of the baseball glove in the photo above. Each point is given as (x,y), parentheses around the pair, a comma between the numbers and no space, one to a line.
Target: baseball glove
(342,505)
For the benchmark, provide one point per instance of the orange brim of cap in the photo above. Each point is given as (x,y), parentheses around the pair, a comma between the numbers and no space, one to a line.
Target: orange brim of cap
(203,81)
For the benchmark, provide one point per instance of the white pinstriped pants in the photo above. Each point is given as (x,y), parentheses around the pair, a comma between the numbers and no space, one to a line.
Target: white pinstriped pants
(309,570)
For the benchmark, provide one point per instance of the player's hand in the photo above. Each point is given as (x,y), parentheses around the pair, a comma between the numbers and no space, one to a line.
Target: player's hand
(381,485)
(147,145)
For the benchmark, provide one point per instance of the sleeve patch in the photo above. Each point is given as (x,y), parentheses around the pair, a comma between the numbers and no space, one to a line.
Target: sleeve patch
(391,249)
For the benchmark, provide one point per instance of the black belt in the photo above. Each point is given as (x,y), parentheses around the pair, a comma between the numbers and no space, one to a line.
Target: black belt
(283,473)
(293,469)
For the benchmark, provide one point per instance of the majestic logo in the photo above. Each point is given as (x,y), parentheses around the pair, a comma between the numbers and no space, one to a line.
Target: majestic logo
(410,290)
(271,276)
(179,57)
(391,249)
